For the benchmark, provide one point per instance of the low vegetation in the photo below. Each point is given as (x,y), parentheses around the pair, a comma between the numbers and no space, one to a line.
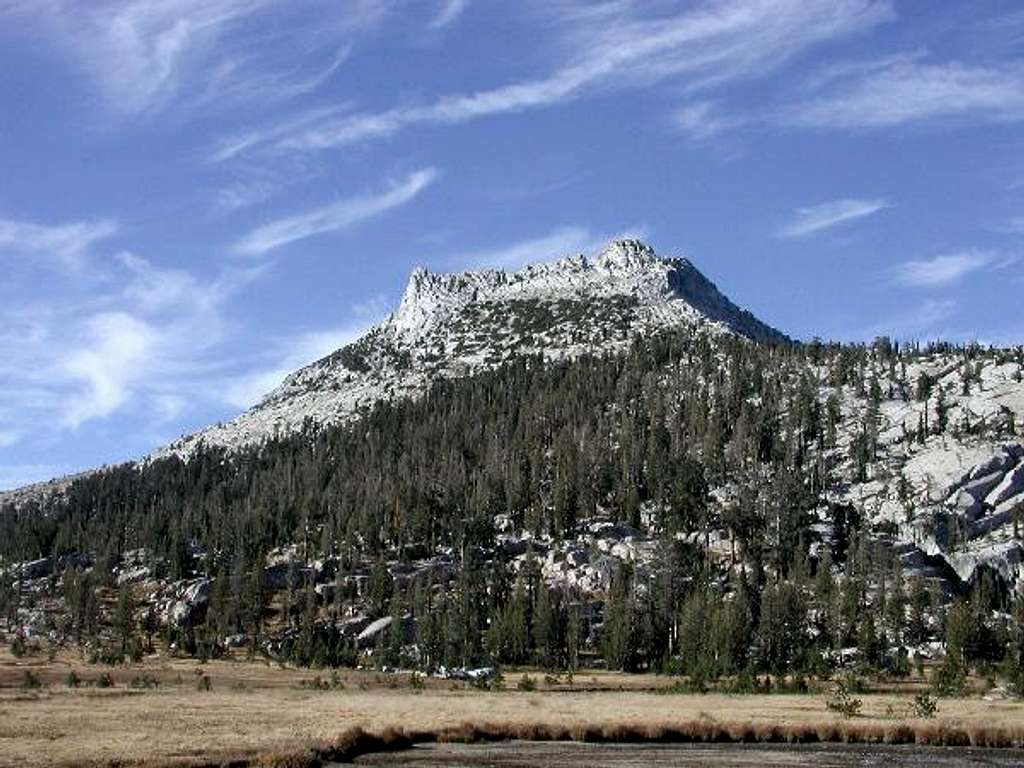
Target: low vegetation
(261,715)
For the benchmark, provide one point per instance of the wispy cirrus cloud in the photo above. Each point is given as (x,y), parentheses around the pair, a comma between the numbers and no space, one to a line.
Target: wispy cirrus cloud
(448,13)
(946,269)
(335,216)
(703,119)
(139,335)
(920,319)
(19,475)
(900,89)
(144,56)
(1014,226)
(816,218)
(562,241)
(905,89)
(289,354)
(62,244)
(612,46)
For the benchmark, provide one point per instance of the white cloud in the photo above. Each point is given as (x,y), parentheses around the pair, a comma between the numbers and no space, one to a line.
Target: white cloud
(816,218)
(917,321)
(142,336)
(19,475)
(448,13)
(66,244)
(618,45)
(243,194)
(904,89)
(168,406)
(117,346)
(373,308)
(1015,226)
(240,143)
(292,353)
(942,270)
(702,119)
(143,56)
(330,218)
(562,241)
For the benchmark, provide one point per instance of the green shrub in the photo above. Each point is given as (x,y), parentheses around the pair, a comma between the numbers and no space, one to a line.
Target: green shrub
(843,703)
(925,706)
(18,646)
(144,682)
(203,683)
(526,683)
(105,681)
(950,678)
(72,680)
(29,681)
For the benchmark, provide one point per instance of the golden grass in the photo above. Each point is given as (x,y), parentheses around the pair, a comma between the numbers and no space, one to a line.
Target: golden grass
(259,715)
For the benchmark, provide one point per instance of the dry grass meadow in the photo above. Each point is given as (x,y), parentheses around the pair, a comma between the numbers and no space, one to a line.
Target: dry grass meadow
(256,714)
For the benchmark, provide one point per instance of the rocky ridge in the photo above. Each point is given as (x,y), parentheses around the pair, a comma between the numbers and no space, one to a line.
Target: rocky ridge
(451,325)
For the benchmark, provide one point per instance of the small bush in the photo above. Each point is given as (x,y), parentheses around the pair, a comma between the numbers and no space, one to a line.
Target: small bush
(135,650)
(105,681)
(843,703)
(853,683)
(416,682)
(72,680)
(685,686)
(18,646)
(1014,675)
(315,683)
(203,683)
(144,682)
(925,706)
(950,678)
(526,683)
(29,681)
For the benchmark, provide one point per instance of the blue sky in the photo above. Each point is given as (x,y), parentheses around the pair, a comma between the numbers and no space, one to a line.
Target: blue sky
(197,196)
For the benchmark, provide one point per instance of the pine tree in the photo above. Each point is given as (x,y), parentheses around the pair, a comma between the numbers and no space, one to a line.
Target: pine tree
(124,617)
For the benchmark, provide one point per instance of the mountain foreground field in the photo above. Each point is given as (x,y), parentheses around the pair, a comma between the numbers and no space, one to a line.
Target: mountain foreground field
(181,713)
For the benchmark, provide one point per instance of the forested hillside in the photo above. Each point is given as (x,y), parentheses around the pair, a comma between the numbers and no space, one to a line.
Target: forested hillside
(696,503)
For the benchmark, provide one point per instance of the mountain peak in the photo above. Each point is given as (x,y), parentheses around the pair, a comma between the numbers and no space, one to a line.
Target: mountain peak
(627,254)
(451,325)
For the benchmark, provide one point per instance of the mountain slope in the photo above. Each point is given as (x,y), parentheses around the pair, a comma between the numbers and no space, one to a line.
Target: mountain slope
(451,325)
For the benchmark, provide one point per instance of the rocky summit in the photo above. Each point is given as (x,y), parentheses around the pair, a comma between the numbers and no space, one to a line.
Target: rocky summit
(450,325)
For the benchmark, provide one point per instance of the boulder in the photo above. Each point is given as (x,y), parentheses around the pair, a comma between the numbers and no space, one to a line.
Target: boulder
(999,463)
(624,551)
(189,607)
(34,569)
(578,557)
(1012,484)
(367,638)
(353,625)
(278,575)
(134,574)
(979,488)
(512,547)
(378,630)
